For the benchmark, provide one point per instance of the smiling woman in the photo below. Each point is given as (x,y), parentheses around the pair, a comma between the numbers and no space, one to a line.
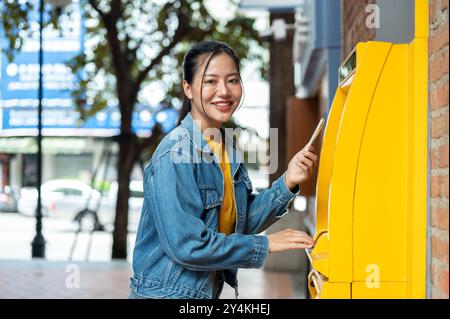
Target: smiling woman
(200,219)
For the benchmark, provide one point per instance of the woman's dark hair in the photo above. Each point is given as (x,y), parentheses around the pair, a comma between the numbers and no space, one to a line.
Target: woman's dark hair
(191,63)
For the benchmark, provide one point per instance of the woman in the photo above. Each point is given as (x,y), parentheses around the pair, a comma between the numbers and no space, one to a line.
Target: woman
(200,219)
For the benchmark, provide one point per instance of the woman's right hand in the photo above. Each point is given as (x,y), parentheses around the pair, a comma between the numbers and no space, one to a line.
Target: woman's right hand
(289,239)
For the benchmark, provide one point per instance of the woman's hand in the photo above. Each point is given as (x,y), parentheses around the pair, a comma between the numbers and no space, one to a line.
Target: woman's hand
(301,166)
(289,239)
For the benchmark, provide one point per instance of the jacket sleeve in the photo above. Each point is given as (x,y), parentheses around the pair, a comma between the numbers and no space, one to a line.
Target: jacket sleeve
(174,196)
(269,206)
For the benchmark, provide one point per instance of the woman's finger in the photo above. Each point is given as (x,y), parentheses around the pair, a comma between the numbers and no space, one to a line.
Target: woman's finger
(304,167)
(301,166)
(307,161)
(303,239)
(311,156)
(292,246)
(309,164)
(299,235)
(302,242)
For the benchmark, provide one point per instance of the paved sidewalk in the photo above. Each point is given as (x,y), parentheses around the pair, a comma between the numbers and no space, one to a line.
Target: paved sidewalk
(110,280)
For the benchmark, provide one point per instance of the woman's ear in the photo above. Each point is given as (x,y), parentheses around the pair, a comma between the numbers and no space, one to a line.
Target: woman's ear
(187,89)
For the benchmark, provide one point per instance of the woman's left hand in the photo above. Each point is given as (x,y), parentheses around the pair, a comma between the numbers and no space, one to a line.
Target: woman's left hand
(301,166)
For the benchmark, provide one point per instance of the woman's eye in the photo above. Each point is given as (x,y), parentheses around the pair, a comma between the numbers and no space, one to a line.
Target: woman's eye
(210,81)
(234,81)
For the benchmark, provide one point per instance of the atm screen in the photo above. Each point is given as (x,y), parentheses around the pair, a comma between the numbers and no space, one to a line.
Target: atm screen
(348,67)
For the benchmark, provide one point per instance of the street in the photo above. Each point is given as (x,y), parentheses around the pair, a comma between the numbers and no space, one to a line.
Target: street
(21,277)
(17,232)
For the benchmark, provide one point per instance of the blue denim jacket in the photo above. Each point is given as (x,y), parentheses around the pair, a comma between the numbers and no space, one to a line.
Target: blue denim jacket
(179,252)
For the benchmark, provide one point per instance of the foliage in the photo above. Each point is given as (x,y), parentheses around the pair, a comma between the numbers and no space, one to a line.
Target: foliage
(129,44)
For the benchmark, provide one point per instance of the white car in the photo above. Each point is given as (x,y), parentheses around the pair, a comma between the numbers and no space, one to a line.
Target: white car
(60,198)
(67,198)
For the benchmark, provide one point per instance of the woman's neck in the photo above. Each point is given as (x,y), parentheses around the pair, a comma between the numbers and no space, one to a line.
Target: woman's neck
(205,123)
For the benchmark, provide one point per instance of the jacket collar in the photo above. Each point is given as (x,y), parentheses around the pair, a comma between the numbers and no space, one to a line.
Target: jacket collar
(200,143)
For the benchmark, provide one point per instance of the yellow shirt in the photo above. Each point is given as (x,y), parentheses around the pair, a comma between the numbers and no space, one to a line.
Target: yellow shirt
(227,216)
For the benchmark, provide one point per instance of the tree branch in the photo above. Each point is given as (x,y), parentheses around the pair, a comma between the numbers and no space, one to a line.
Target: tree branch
(116,9)
(94,4)
(121,69)
(131,52)
(180,32)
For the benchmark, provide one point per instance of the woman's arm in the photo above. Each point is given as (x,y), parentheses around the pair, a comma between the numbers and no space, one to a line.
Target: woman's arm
(174,199)
(269,206)
(272,204)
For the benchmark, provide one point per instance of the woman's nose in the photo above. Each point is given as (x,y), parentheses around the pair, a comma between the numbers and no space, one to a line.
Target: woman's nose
(223,89)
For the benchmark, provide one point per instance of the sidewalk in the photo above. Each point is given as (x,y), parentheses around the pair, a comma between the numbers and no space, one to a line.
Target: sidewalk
(57,279)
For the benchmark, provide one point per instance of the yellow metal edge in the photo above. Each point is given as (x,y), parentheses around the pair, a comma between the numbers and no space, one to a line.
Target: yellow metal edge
(421,19)
(419,169)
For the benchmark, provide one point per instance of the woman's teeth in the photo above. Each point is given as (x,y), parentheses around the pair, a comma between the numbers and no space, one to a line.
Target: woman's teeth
(222,104)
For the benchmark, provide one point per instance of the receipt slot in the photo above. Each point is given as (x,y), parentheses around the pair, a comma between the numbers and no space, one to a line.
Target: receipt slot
(371,192)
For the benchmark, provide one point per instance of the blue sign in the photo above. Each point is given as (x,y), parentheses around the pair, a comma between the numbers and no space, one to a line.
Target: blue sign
(19,87)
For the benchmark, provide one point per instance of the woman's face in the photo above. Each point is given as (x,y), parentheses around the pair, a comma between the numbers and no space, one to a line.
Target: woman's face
(220,93)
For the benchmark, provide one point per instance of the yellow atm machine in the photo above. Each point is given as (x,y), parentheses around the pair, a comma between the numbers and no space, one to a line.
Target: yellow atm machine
(371,198)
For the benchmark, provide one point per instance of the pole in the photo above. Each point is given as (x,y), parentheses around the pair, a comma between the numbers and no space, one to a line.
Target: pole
(38,244)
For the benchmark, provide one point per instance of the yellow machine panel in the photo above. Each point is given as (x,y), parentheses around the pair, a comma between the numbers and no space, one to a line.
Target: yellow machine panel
(372,181)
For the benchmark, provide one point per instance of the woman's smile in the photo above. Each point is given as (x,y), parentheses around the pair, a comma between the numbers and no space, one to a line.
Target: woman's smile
(223,106)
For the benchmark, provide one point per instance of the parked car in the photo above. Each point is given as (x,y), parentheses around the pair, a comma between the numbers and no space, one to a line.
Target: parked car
(8,200)
(69,198)
(60,198)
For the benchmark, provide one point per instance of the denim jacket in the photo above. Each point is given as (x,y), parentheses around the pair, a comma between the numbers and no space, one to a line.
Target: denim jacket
(179,252)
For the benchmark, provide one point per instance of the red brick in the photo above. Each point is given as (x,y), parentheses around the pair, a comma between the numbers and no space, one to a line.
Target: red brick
(439,67)
(434,158)
(436,127)
(432,9)
(439,126)
(434,70)
(439,39)
(433,100)
(443,155)
(435,186)
(439,249)
(445,58)
(439,96)
(446,186)
(439,218)
(442,94)
(443,280)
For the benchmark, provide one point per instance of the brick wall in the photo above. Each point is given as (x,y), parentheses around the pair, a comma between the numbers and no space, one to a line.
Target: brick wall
(353,22)
(438,95)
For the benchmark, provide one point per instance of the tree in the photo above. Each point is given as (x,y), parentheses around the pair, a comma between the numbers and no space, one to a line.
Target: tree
(132,43)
